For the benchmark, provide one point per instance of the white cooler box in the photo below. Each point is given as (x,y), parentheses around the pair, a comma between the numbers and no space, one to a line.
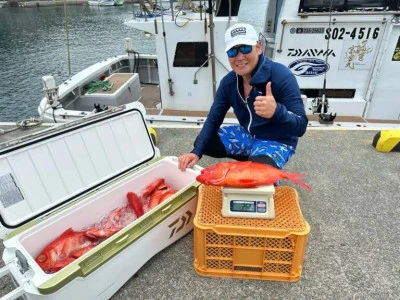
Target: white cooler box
(74,176)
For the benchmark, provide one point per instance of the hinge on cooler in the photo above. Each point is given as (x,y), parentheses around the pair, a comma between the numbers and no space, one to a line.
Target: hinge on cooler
(22,261)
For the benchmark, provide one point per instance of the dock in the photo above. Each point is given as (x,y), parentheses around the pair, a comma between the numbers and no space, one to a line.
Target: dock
(353,210)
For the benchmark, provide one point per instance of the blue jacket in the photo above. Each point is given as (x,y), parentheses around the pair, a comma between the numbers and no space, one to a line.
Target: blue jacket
(289,120)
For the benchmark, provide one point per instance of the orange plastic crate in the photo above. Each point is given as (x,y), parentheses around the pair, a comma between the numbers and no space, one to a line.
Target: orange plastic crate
(268,249)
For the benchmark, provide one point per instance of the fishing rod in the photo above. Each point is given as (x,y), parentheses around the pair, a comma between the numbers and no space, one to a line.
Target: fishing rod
(212,54)
(170,82)
(320,104)
(67,36)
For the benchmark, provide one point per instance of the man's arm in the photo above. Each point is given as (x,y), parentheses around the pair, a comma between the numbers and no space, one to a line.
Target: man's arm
(214,120)
(289,107)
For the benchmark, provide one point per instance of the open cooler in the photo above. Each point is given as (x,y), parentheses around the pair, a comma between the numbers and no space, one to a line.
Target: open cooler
(71,177)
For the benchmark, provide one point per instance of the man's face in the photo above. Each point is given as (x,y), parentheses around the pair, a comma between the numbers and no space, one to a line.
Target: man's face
(244,64)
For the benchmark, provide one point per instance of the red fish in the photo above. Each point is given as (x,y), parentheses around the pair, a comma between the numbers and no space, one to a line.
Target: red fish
(79,253)
(159,196)
(112,220)
(166,195)
(101,233)
(136,204)
(245,174)
(152,187)
(155,198)
(58,253)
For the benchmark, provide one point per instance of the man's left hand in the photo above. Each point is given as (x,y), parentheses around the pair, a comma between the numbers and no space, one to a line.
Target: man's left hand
(265,106)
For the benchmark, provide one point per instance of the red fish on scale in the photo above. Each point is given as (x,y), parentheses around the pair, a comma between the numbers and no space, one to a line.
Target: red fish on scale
(246,174)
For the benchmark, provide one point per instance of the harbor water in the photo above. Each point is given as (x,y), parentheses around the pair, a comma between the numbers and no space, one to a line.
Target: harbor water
(33,43)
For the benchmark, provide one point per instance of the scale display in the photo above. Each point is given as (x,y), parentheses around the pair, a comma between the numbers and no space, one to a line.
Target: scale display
(248,202)
(248,206)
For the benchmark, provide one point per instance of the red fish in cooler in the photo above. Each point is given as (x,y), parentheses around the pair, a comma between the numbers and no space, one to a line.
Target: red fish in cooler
(154,198)
(245,174)
(152,187)
(113,218)
(159,196)
(58,253)
(136,203)
(166,195)
(101,233)
(73,244)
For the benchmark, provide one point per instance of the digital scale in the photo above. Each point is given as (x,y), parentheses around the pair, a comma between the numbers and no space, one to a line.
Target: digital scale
(248,202)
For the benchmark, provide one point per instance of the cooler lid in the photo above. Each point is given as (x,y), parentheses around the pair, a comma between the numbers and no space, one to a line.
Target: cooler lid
(58,165)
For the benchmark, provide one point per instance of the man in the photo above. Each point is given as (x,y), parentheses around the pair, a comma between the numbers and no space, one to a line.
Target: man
(266,100)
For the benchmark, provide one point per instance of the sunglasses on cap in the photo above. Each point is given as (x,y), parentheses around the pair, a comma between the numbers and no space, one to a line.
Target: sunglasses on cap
(234,51)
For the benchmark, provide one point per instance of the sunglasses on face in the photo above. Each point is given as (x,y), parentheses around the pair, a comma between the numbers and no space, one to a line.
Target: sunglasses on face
(234,51)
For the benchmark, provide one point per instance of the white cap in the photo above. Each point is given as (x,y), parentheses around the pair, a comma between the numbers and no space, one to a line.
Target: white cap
(240,34)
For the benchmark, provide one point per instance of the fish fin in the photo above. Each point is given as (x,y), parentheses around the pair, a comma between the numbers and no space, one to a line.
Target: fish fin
(243,165)
(61,264)
(295,178)
(102,233)
(66,232)
(248,182)
(78,253)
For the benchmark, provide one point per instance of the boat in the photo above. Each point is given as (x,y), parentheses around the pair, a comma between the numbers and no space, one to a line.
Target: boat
(345,74)
(105,2)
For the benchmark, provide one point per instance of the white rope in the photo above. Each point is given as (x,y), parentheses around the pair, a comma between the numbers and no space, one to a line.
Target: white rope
(27,123)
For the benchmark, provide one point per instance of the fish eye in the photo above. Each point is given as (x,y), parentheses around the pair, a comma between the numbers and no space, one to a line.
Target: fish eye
(42,258)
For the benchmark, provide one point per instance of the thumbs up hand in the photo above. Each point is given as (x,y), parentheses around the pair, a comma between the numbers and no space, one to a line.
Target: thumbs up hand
(265,106)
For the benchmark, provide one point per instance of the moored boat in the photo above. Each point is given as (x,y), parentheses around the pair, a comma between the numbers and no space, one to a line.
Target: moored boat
(345,71)
(118,2)
(105,2)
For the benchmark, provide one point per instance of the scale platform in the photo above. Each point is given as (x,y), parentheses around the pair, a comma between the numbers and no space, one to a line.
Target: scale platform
(267,249)
(248,202)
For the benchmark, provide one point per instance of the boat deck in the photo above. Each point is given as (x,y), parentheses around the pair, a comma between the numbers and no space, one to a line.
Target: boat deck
(151,100)
(353,210)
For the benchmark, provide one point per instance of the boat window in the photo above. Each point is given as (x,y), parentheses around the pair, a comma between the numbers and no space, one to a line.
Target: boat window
(329,93)
(367,4)
(347,5)
(227,8)
(191,54)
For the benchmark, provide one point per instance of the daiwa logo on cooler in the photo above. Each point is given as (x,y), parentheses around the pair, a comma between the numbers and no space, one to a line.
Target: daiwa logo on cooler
(238,31)
(308,67)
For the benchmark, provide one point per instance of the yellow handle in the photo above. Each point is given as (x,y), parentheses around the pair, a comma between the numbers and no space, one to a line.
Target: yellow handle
(122,239)
(164,209)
